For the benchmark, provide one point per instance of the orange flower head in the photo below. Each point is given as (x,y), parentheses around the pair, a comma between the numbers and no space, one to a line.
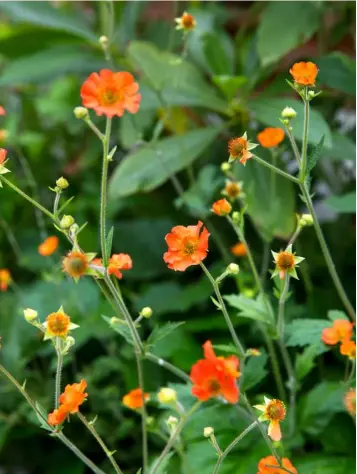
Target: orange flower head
(350,401)
(271,137)
(117,262)
(5,279)
(134,399)
(111,93)
(304,74)
(348,348)
(239,250)
(48,246)
(2,110)
(186,246)
(221,207)
(232,189)
(274,411)
(286,262)
(186,22)
(264,466)
(215,376)
(340,331)
(75,264)
(239,149)
(58,416)
(3,154)
(57,324)
(73,396)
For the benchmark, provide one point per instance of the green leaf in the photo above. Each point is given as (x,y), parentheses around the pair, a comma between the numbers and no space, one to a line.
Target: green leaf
(334,314)
(121,328)
(42,417)
(250,308)
(230,85)
(109,242)
(152,165)
(343,148)
(216,55)
(324,464)
(255,371)
(345,204)
(45,15)
(160,332)
(305,361)
(268,110)
(338,71)
(227,348)
(303,332)
(283,26)
(336,438)
(312,159)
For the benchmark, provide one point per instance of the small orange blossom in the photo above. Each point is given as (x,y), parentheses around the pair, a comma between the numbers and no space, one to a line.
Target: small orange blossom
(340,330)
(239,249)
(134,399)
(221,207)
(265,463)
(48,246)
(304,74)
(73,396)
(273,411)
(270,137)
(5,279)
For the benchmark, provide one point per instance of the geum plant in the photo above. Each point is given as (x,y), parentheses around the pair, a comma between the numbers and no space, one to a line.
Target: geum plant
(112,94)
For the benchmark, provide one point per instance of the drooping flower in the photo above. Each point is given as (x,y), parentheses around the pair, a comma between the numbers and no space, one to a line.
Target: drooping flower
(73,396)
(2,110)
(264,466)
(340,331)
(233,189)
(221,207)
(58,324)
(348,348)
(58,416)
(186,246)
(134,399)
(48,246)
(185,22)
(215,376)
(76,263)
(273,411)
(271,137)
(5,279)
(350,401)
(285,263)
(239,250)
(304,74)
(111,93)
(239,149)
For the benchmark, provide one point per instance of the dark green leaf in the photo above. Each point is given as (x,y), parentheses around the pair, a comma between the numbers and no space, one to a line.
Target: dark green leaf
(109,241)
(255,371)
(305,361)
(338,71)
(303,332)
(324,464)
(215,54)
(345,204)
(230,85)
(312,159)
(250,308)
(334,314)
(121,328)
(343,148)
(160,332)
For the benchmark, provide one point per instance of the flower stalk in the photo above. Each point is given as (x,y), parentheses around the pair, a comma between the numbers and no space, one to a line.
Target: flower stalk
(58,345)
(103,192)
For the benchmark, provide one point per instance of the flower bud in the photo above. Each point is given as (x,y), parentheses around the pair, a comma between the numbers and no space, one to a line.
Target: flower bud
(167,395)
(286,121)
(235,217)
(103,41)
(66,222)
(146,312)
(288,113)
(225,166)
(311,95)
(253,352)
(208,432)
(30,315)
(74,229)
(80,112)
(150,420)
(114,320)
(233,269)
(172,422)
(62,183)
(248,292)
(306,220)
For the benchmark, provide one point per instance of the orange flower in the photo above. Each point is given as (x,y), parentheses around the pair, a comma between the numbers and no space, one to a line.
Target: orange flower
(348,348)
(239,149)
(48,246)
(111,93)
(2,110)
(350,401)
(117,262)
(239,249)
(304,74)
(57,324)
(271,137)
(75,264)
(340,331)
(5,279)
(186,246)
(285,263)
(3,154)
(273,411)
(232,189)
(73,396)
(263,466)
(57,416)
(186,22)
(134,399)
(215,376)
(221,207)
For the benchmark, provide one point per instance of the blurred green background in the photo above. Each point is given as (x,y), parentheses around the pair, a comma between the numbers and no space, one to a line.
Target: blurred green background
(232,80)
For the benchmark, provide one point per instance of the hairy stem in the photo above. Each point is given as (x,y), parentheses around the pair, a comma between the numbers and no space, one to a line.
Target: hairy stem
(276,170)
(305,137)
(172,368)
(293,144)
(103,192)
(143,412)
(58,370)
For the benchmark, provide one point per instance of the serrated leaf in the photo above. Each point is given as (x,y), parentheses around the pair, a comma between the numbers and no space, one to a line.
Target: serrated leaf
(109,242)
(254,371)
(312,159)
(303,332)
(160,332)
(334,314)
(121,328)
(250,308)
(305,361)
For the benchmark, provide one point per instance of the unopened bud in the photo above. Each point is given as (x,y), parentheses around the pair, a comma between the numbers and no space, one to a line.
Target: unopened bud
(233,269)
(288,113)
(248,292)
(208,431)
(225,166)
(311,95)
(286,122)
(103,41)
(253,352)
(306,220)
(146,312)
(172,422)
(62,183)
(30,315)
(80,112)
(114,320)
(66,222)
(235,217)
(167,395)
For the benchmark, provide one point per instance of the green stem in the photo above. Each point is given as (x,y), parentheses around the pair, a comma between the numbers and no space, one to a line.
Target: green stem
(293,144)
(28,198)
(143,413)
(274,363)
(229,448)
(56,203)
(330,264)
(163,363)
(93,431)
(295,235)
(281,310)
(352,373)
(95,129)
(103,193)
(58,370)
(305,137)
(276,170)
(273,175)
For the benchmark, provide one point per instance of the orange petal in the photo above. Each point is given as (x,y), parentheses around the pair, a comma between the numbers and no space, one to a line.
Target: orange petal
(274,431)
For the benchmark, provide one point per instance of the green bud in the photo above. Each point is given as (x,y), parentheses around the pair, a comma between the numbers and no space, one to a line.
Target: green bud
(306,220)
(66,222)
(208,431)
(103,41)
(30,315)
(235,217)
(233,269)
(146,312)
(80,112)
(225,166)
(288,113)
(62,183)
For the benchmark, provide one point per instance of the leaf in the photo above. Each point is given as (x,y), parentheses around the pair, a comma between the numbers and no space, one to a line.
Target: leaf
(250,308)
(227,348)
(162,469)
(160,332)
(121,328)
(268,110)
(45,15)
(283,26)
(109,241)
(343,148)
(303,332)
(255,371)
(345,204)
(324,464)
(216,55)
(312,159)
(334,314)
(338,71)
(305,361)
(42,417)
(230,85)
(152,165)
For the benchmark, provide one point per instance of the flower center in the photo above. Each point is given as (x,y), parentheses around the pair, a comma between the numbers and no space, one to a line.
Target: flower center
(58,323)
(109,97)
(78,265)
(190,247)
(232,190)
(187,21)
(275,410)
(214,386)
(285,261)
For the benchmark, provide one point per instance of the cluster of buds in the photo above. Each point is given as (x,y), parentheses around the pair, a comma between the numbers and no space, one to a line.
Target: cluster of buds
(287,115)
(306,220)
